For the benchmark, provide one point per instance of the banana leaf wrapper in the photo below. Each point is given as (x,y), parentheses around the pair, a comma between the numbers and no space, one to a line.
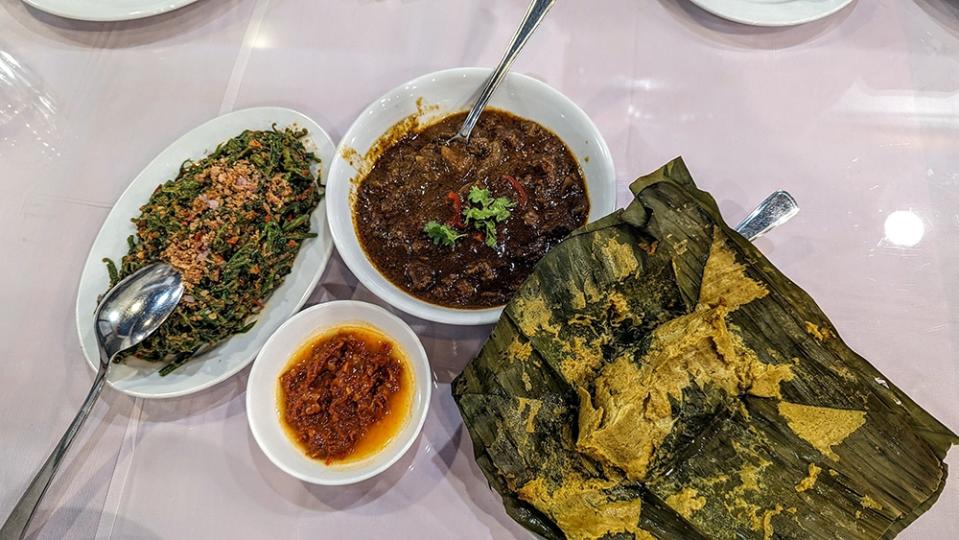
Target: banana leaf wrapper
(657,377)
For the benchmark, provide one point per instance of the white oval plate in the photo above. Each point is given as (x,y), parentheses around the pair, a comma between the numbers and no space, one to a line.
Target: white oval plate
(142,379)
(107,10)
(772,12)
(434,96)
(262,409)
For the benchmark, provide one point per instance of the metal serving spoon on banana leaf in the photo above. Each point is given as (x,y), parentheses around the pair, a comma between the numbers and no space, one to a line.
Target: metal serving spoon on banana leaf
(775,210)
(129,312)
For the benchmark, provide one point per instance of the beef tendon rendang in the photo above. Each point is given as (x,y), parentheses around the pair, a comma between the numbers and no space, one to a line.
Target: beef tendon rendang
(462,224)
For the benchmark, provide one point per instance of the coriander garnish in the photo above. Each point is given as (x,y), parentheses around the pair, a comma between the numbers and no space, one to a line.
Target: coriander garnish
(482,213)
(441,234)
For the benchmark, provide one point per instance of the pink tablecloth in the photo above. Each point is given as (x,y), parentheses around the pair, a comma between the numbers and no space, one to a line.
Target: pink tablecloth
(857,115)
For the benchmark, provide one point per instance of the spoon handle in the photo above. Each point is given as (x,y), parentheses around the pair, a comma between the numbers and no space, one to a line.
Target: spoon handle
(537,10)
(775,210)
(16,525)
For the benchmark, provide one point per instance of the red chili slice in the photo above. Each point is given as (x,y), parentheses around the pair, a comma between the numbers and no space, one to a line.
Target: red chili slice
(520,190)
(457,220)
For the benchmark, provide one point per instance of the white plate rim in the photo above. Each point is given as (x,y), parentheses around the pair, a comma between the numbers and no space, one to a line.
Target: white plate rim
(391,293)
(318,220)
(752,14)
(84,10)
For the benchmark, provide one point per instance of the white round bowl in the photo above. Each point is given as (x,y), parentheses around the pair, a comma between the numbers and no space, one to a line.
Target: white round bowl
(430,98)
(262,388)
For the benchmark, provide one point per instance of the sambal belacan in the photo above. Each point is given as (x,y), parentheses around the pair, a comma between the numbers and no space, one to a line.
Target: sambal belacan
(345,394)
(462,224)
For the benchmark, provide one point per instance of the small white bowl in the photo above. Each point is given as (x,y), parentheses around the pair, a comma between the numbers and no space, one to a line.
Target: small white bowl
(262,408)
(434,96)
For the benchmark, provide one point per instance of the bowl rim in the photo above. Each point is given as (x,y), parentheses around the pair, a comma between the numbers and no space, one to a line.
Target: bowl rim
(345,235)
(415,357)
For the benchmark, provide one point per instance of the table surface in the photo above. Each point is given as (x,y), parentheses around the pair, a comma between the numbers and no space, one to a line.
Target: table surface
(856,115)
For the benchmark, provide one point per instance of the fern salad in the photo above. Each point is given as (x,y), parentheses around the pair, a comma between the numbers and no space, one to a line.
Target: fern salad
(232,224)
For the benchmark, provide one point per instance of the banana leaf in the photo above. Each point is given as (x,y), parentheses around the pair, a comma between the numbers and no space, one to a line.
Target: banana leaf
(657,377)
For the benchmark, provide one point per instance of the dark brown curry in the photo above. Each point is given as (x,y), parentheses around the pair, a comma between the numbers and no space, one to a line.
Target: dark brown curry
(462,225)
